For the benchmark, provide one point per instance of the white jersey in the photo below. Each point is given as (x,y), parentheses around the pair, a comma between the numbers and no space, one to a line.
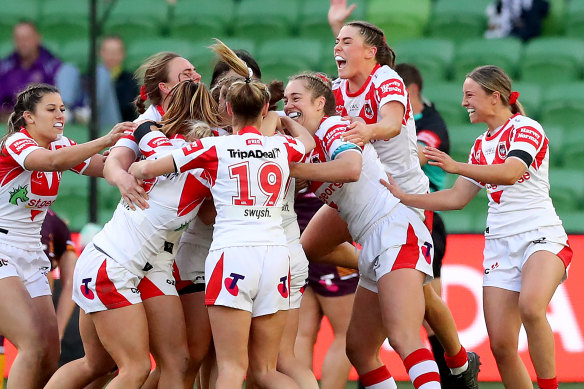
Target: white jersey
(359,203)
(247,173)
(134,237)
(525,205)
(289,217)
(399,155)
(25,196)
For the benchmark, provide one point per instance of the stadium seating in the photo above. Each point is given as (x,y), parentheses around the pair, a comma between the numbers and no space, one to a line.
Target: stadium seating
(555,21)
(555,135)
(567,189)
(201,19)
(573,147)
(313,19)
(458,21)
(431,56)
(401,20)
(574,20)
(257,19)
(530,97)
(573,221)
(462,138)
(281,58)
(136,54)
(12,12)
(563,104)
(448,98)
(551,60)
(504,53)
(74,51)
(137,23)
(64,20)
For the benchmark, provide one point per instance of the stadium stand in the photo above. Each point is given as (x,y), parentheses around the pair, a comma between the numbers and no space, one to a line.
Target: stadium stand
(201,19)
(504,53)
(402,20)
(432,56)
(550,60)
(450,19)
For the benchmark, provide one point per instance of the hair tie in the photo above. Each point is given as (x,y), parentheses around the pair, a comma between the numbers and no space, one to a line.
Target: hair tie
(249,75)
(143,94)
(384,40)
(513,97)
(322,76)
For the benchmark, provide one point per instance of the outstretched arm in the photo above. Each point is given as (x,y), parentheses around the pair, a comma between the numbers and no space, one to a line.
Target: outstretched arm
(147,169)
(338,13)
(457,197)
(506,173)
(68,157)
(386,128)
(346,167)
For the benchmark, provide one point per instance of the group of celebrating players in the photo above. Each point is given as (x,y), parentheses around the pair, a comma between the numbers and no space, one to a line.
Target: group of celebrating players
(203,265)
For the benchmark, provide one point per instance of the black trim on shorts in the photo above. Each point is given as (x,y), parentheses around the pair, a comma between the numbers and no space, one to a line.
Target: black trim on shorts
(192,288)
(522,155)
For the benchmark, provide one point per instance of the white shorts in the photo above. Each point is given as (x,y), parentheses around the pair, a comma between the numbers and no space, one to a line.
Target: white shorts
(31,266)
(250,278)
(100,283)
(190,267)
(159,280)
(504,257)
(298,273)
(399,240)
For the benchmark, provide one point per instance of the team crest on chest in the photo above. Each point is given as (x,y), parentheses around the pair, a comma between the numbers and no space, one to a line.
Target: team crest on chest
(502,150)
(368,110)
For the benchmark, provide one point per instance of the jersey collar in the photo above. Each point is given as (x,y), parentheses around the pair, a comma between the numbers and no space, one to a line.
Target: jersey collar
(249,130)
(160,110)
(362,89)
(496,132)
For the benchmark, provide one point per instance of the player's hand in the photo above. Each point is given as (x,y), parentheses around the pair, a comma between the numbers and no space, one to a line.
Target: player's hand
(132,190)
(393,187)
(440,159)
(301,184)
(270,123)
(338,13)
(118,131)
(358,133)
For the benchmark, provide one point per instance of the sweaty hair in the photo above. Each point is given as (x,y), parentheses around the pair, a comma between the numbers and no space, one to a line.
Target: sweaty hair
(27,100)
(247,97)
(410,74)
(222,67)
(152,72)
(494,79)
(374,36)
(189,101)
(319,85)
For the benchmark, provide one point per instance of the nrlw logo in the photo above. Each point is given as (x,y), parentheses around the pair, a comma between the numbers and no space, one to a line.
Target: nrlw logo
(19,193)
(241,154)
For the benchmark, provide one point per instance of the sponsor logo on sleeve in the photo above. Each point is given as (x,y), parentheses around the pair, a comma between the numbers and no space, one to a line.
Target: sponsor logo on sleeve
(529,135)
(159,141)
(20,145)
(392,86)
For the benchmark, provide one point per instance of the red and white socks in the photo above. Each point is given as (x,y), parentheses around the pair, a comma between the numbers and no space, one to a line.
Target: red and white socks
(547,383)
(379,378)
(458,363)
(422,369)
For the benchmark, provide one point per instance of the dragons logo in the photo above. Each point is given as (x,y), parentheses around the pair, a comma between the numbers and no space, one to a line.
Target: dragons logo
(19,193)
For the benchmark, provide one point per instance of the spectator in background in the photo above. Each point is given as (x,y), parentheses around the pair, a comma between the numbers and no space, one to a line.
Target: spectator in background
(431,131)
(32,63)
(518,18)
(112,54)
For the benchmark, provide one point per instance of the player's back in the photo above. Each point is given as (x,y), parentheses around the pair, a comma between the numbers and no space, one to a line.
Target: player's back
(248,174)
